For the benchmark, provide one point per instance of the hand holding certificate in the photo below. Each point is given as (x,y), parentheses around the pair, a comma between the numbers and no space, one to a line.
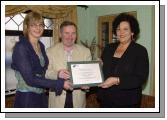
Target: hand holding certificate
(85,73)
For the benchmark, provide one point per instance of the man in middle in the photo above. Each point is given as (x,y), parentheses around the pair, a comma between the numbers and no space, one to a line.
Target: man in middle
(61,53)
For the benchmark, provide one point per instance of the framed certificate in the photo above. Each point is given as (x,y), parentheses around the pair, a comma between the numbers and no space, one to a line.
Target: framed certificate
(87,73)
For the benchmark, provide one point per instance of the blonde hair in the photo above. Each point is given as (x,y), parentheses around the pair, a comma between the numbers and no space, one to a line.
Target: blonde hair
(31,18)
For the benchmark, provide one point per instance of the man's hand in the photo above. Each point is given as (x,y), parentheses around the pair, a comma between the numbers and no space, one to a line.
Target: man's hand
(64,74)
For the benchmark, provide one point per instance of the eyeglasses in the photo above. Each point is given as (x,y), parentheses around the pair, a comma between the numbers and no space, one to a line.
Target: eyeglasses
(37,25)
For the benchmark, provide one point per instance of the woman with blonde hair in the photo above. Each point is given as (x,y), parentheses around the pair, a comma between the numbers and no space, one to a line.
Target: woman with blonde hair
(30,62)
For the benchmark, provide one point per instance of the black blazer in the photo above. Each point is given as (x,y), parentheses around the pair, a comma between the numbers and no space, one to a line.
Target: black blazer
(132,69)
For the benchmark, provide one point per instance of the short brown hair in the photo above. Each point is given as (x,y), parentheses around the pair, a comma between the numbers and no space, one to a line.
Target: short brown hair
(67,23)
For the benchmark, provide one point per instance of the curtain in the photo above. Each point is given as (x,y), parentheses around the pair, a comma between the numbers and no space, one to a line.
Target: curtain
(58,13)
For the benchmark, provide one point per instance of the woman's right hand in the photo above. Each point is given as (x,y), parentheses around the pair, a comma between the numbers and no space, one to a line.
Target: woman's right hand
(110,82)
(68,85)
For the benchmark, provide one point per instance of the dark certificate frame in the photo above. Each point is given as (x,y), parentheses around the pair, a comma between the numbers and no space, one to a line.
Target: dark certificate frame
(83,69)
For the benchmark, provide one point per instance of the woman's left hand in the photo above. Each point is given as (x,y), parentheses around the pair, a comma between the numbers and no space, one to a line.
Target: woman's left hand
(109,82)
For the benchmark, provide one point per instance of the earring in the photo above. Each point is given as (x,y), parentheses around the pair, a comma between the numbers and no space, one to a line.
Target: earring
(132,37)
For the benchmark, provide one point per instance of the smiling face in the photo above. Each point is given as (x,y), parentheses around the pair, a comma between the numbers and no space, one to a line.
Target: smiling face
(35,29)
(68,35)
(33,26)
(124,33)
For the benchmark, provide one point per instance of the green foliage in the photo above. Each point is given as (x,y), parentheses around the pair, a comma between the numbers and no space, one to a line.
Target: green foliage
(92,46)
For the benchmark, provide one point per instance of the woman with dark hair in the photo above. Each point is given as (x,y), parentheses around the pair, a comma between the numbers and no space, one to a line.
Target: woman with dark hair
(30,62)
(125,66)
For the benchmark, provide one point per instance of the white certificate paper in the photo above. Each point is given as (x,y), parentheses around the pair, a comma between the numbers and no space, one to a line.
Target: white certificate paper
(85,73)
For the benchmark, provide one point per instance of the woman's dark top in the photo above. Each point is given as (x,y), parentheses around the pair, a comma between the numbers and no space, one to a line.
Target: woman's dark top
(27,64)
(132,69)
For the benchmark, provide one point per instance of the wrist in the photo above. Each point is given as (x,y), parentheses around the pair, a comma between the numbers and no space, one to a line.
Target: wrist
(117,81)
(58,74)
